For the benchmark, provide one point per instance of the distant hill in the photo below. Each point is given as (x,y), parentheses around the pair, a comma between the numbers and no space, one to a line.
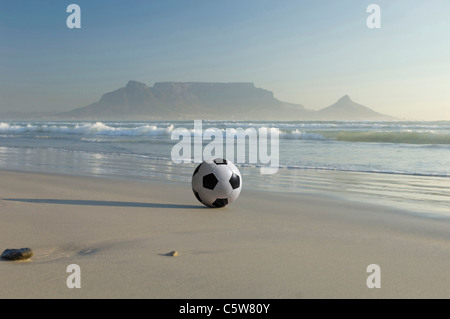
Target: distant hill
(175,100)
(204,100)
(346,109)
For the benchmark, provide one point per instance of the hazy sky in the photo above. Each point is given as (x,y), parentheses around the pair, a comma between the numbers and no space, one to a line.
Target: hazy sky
(308,52)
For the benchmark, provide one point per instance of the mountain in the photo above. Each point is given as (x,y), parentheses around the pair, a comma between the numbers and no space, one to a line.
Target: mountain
(345,109)
(205,100)
(188,100)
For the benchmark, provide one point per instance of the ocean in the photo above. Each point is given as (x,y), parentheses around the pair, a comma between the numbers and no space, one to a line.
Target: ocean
(405,165)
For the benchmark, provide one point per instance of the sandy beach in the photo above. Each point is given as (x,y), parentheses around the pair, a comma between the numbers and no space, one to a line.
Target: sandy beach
(265,245)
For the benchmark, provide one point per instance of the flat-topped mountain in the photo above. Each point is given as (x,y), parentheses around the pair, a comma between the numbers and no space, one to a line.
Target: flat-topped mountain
(188,100)
(209,101)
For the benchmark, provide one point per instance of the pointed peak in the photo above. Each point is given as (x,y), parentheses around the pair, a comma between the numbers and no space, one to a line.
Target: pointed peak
(345,98)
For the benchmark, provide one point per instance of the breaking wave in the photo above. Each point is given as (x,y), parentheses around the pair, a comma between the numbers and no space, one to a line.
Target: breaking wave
(97,128)
(396,137)
(405,137)
(293,132)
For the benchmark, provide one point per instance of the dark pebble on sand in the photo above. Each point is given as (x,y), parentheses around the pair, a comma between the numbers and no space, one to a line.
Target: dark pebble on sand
(17,254)
(173,253)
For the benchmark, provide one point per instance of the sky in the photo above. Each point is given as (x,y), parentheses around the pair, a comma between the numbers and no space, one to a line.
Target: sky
(306,52)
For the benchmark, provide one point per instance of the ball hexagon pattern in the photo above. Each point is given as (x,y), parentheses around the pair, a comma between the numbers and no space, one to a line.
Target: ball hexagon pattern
(216,182)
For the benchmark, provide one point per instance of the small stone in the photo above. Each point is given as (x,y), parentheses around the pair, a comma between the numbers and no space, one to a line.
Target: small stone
(17,254)
(173,253)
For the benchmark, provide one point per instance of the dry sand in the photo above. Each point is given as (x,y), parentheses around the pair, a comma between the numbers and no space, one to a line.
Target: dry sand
(265,245)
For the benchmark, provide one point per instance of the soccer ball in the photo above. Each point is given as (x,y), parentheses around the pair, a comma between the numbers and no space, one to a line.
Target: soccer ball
(216,182)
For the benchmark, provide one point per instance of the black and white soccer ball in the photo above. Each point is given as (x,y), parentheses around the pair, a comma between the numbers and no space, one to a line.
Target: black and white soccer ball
(216,182)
